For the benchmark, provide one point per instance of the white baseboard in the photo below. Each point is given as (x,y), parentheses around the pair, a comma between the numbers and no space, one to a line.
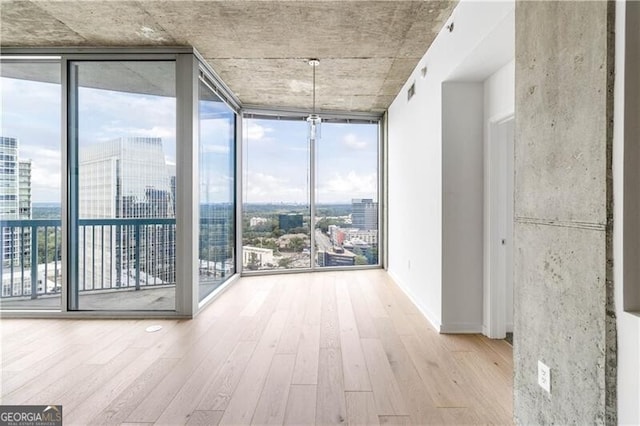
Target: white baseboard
(461,328)
(453,328)
(424,311)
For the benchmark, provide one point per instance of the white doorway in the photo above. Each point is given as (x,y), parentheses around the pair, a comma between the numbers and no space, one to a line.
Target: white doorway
(498,236)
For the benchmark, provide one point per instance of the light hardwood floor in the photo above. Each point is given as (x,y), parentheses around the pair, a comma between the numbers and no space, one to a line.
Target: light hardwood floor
(317,348)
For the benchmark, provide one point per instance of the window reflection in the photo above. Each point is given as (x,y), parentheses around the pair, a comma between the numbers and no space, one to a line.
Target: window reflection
(126,185)
(216,260)
(30,185)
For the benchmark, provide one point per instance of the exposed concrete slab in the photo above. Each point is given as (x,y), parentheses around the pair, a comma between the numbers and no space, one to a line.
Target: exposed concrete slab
(124,23)
(367,49)
(400,66)
(564,314)
(25,23)
(335,78)
(390,87)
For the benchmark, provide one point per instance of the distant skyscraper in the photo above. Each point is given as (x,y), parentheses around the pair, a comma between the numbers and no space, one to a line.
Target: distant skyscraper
(126,178)
(15,202)
(364,213)
(288,221)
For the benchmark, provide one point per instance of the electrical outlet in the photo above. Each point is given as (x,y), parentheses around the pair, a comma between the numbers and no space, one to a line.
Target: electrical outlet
(544,376)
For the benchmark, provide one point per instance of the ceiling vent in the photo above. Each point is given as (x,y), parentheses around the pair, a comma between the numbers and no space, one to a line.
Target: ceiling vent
(411,91)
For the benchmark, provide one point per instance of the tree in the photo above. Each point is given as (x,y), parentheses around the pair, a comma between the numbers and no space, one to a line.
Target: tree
(268,243)
(285,262)
(361,260)
(295,244)
(323,225)
(299,230)
(47,249)
(374,254)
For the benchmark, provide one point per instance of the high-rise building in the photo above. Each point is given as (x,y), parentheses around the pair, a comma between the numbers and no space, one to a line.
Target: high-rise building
(289,221)
(364,213)
(326,258)
(126,178)
(15,202)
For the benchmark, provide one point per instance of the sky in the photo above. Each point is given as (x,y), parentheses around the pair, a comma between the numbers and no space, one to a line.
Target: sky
(216,165)
(276,160)
(276,152)
(31,113)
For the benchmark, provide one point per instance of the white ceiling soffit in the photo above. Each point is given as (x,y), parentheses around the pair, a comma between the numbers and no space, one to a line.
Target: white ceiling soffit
(496,49)
(367,49)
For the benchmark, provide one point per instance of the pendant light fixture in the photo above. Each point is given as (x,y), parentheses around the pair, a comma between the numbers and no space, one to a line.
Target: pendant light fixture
(314,119)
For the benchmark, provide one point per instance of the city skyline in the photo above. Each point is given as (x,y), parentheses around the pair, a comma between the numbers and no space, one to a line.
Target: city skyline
(125,178)
(15,203)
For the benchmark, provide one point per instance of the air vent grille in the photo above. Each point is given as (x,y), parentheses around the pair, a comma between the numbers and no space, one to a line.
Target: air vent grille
(411,91)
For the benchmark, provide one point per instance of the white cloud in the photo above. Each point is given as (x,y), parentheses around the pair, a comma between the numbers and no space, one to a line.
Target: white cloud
(216,188)
(143,110)
(255,132)
(106,115)
(215,135)
(46,174)
(352,141)
(31,113)
(215,149)
(262,188)
(341,187)
(216,126)
(153,132)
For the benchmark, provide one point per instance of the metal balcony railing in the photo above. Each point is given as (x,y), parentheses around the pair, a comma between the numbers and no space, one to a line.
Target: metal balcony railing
(114,254)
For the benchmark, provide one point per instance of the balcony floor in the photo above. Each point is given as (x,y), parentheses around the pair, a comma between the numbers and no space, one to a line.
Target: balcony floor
(316,348)
(149,299)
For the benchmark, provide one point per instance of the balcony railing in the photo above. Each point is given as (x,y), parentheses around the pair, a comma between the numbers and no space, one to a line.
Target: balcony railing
(114,254)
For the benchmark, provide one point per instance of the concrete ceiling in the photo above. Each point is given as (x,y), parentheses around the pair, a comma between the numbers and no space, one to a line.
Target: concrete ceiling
(367,49)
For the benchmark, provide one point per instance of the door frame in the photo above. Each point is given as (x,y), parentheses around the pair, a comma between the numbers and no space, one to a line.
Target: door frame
(495,228)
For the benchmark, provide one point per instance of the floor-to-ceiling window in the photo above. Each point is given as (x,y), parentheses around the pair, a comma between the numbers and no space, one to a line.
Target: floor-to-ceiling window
(30,184)
(216,259)
(347,188)
(117,181)
(98,215)
(123,184)
(286,177)
(276,218)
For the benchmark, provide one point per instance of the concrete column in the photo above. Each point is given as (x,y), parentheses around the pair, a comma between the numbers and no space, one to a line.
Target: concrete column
(564,314)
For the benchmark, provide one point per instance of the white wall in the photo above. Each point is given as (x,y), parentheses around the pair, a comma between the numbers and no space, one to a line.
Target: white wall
(499,94)
(628,324)
(499,103)
(462,205)
(415,139)
(414,197)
